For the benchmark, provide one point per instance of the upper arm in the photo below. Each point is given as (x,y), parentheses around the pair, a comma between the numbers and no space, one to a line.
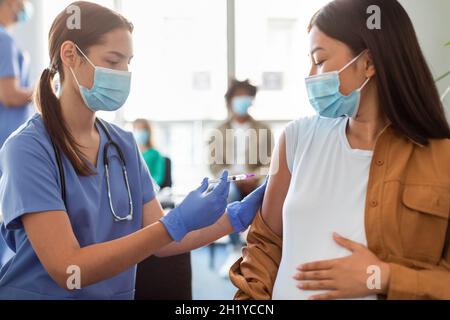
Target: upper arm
(53,240)
(28,180)
(11,92)
(277,189)
(9,67)
(30,199)
(8,88)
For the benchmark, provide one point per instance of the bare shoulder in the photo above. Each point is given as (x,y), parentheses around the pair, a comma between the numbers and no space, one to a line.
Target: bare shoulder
(277,189)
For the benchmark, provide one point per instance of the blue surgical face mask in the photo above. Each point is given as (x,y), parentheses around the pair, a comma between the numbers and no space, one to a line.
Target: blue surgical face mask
(241,105)
(141,137)
(110,90)
(26,13)
(327,100)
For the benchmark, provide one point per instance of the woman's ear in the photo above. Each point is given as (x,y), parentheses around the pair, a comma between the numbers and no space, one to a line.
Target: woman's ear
(369,65)
(68,53)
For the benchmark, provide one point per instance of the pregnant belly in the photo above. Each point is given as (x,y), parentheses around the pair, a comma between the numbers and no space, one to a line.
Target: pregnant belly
(285,287)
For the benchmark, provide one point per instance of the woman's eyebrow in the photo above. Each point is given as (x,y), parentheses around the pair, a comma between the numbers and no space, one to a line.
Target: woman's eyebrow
(120,55)
(316,49)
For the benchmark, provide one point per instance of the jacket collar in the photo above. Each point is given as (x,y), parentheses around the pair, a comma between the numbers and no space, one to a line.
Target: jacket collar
(391,130)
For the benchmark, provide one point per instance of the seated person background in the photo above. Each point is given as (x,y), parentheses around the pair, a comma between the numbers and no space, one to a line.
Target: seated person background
(153,158)
(239,99)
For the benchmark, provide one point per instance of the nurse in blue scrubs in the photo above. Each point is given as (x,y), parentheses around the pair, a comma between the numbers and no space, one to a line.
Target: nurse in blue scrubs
(15,91)
(15,94)
(79,207)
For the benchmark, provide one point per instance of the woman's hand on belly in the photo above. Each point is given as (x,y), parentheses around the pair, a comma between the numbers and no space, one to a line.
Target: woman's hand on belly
(359,275)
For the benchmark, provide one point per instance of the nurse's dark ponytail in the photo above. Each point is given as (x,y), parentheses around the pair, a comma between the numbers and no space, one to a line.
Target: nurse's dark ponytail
(50,109)
(96,21)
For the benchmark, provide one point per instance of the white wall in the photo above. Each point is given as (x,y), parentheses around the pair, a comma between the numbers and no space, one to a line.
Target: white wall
(431,19)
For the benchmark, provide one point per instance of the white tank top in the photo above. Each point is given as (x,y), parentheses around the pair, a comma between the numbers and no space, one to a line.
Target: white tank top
(327,194)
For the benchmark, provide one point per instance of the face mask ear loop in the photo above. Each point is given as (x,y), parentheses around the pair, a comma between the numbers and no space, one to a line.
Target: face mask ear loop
(73,74)
(85,56)
(364,84)
(88,60)
(351,62)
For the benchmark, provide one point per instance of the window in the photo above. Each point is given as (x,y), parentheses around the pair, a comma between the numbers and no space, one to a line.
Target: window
(180,66)
(272,50)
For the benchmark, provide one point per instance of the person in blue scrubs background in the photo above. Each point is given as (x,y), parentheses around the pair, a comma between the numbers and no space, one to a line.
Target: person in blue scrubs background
(80,222)
(15,91)
(15,87)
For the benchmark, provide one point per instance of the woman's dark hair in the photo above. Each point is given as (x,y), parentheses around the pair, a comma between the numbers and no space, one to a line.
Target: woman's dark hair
(148,127)
(236,85)
(96,22)
(407,93)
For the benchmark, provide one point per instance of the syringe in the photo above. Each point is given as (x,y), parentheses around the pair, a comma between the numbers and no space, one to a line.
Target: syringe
(239,177)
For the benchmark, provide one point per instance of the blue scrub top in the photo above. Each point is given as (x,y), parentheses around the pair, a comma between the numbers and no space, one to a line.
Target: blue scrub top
(13,64)
(29,183)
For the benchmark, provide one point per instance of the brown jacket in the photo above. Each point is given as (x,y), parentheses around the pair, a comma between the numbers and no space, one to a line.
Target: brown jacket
(406,220)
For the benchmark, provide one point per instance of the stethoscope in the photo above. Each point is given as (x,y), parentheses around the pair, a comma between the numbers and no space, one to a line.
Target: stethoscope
(109,144)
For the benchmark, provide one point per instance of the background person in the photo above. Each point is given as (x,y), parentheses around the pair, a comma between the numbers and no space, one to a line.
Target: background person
(156,163)
(248,136)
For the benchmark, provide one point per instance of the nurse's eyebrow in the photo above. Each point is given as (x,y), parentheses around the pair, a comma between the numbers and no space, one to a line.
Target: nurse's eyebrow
(120,55)
(316,49)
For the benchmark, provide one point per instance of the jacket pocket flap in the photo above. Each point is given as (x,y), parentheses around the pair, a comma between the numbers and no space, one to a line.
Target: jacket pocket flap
(433,200)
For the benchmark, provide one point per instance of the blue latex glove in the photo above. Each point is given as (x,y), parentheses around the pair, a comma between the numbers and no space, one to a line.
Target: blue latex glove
(198,210)
(242,214)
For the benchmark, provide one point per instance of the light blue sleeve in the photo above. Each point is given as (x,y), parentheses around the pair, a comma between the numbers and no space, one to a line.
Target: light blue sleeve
(9,66)
(148,191)
(28,181)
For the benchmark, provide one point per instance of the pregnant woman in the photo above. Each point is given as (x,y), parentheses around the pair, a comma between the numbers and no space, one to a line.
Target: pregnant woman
(358,202)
